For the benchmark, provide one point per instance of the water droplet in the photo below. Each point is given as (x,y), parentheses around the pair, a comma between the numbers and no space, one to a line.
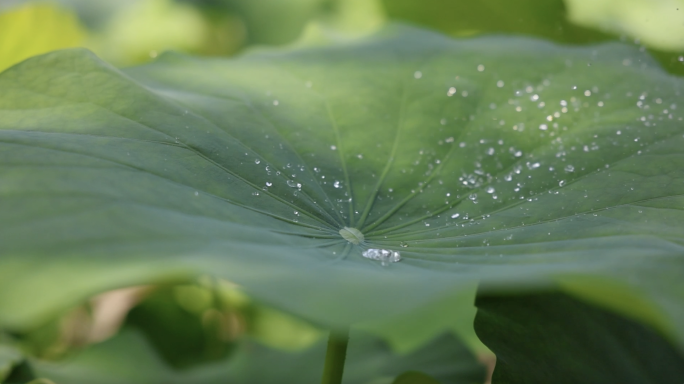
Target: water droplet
(255,193)
(500,83)
(561,183)
(569,168)
(291,183)
(196,193)
(473,196)
(337,184)
(333,147)
(403,244)
(490,189)
(451,91)
(455,216)
(417,74)
(257,161)
(480,68)
(276,102)
(385,256)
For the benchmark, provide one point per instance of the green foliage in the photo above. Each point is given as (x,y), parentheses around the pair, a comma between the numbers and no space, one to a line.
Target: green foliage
(569,341)
(567,21)
(414,378)
(33,29)
(198,333)
(9,358)
(508,161)
(260,16)
(247,169)
(462,18)
(634,18)
(133,360)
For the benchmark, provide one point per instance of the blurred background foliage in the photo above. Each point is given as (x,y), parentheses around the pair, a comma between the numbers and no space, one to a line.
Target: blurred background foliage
(129,32)
(209,320)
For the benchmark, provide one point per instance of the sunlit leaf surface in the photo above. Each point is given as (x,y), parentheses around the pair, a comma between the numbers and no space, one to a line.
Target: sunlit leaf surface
(33,29)
(509,160)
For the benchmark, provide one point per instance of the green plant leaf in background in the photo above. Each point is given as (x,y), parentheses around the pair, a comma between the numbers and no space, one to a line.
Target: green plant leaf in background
(657,24)
(33,29)
(146,28)
(551,337)
(414,378)
(506,160)
(259,17)
(461,18)
(9,357)
(133,361)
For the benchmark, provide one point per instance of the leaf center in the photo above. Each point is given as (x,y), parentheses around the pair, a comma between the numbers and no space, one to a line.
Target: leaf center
(352,235)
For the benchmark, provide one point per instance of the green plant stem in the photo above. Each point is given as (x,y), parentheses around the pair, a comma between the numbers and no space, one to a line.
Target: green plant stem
(335,356)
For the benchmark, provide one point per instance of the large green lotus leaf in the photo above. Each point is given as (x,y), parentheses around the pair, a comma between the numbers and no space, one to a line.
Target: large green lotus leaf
(369,361)
(507,160)
(551,337)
